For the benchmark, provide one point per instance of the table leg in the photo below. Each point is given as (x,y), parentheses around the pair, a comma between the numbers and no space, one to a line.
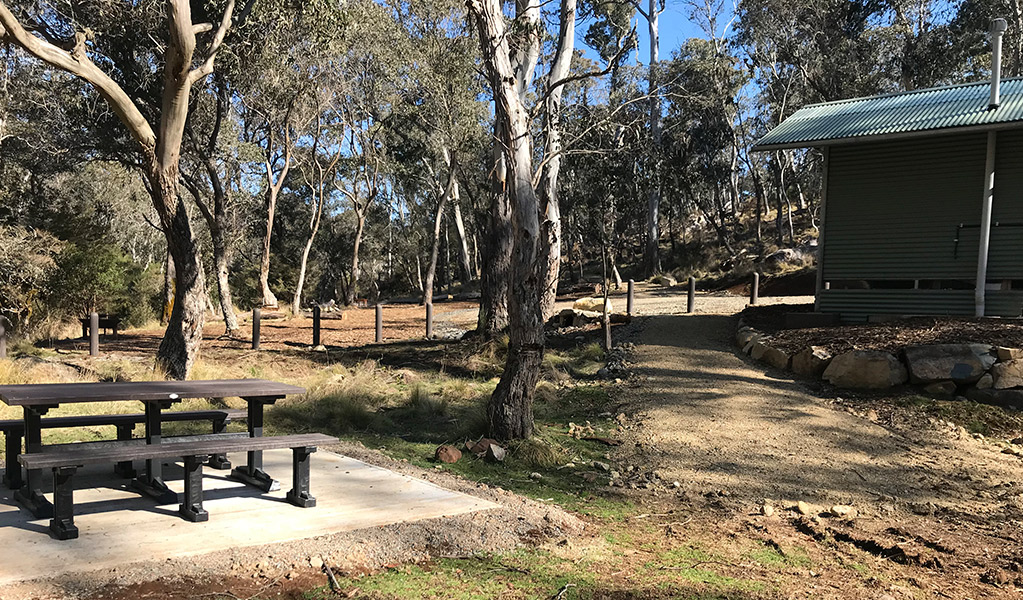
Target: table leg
(30,495)
(62,525)
(252,472)
(151,483)
(12,448)
(300,494)
(125,468)
(219,461)
(191,509)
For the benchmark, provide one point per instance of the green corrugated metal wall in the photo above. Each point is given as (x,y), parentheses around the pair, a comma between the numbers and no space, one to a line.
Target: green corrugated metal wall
(892,213)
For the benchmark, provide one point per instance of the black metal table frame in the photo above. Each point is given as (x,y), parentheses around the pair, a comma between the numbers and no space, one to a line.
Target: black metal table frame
(151,481)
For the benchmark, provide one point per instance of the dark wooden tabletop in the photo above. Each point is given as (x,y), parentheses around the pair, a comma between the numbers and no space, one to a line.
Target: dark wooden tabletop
(49,394)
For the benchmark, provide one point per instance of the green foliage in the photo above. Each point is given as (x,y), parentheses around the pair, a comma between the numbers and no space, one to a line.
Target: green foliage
(99,277)
(26,262)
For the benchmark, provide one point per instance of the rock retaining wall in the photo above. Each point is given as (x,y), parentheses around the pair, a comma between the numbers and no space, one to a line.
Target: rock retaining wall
(980,372)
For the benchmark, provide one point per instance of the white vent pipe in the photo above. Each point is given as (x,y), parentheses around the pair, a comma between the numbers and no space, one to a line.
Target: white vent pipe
(998,27)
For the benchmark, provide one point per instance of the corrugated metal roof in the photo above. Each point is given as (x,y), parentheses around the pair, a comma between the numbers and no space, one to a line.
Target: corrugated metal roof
(906,114)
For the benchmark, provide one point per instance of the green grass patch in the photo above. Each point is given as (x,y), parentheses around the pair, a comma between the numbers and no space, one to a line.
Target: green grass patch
(769,556)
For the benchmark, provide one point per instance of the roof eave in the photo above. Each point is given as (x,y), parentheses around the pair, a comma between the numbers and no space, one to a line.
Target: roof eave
(904,135)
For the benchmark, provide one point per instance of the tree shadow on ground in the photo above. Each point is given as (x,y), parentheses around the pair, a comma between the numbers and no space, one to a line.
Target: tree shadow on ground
(726,420)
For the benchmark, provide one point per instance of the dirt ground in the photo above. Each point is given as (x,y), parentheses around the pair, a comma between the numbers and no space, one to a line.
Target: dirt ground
(716,451)
(939,511)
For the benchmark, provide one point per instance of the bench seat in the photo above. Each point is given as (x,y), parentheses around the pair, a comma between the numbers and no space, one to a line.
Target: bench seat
(64,462)
(14,431)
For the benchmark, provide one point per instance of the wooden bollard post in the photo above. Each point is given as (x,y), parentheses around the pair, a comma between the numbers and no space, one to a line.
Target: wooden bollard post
(3,339)
(256,316)
(632,297)
(429,320)
(754,291)
(380,324)
(691,305)
(94,334)
(316,325)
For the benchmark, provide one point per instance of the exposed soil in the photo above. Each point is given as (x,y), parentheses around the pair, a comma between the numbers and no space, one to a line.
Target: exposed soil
(890,336)
(939,511)
(350,327)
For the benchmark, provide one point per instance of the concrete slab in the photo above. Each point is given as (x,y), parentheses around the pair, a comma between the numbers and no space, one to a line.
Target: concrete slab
(119,527)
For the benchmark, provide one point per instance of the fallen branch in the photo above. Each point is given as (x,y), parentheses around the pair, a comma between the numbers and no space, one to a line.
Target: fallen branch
(334,587)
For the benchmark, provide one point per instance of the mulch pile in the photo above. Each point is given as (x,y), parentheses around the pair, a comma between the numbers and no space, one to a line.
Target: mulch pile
(891,336)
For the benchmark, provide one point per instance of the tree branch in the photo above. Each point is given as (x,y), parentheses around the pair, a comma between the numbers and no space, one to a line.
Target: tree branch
(218,40)
(78,63)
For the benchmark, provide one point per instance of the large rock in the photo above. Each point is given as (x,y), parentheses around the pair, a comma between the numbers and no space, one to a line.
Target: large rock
(665,280)
(811,362)
(961,363)
(1007,354)
(447,454)
(776,358)
(744,336)
(1007,375)
(592,305)
(748,348)
(865,369)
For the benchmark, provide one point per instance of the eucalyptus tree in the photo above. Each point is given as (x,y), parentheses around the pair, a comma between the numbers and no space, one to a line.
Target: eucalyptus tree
(210,181)
(318,167)
(166,46)
(439,117)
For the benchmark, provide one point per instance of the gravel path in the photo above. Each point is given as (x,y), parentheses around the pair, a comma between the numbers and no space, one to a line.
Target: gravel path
(712,419)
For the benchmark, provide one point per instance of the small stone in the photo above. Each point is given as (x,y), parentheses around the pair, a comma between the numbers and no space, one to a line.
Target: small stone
(601,466)
(316,562)
(535,476)
(986,382)
(676,484)
(871,415)
(767,510)
(1007,354)
(320,348)
(495,453)
(447,454)
(843,511)
(922,508)
(804,508)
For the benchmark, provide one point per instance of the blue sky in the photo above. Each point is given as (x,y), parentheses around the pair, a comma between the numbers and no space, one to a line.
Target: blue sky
(676,26)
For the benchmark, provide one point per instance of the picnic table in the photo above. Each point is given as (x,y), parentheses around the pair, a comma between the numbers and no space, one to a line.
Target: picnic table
(157,396)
